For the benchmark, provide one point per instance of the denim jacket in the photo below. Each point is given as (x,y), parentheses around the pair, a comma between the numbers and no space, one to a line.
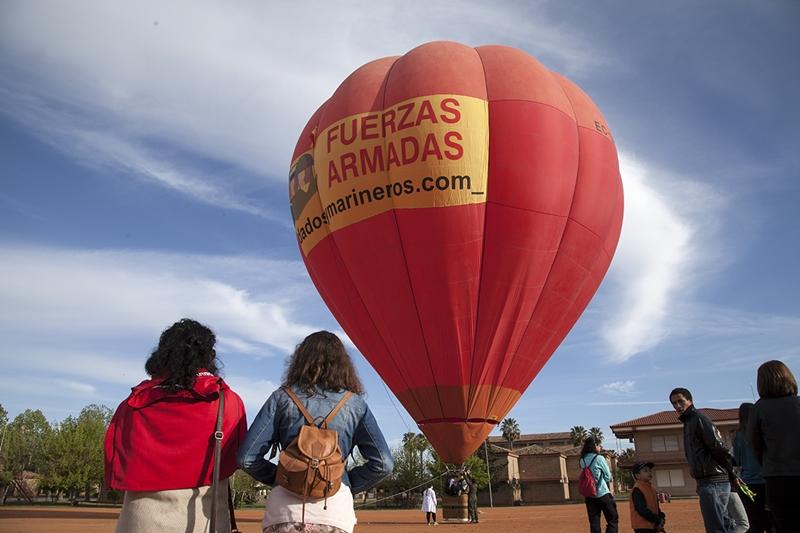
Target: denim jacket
(279,422)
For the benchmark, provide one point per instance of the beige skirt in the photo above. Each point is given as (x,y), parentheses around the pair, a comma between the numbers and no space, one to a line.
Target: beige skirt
(178,511)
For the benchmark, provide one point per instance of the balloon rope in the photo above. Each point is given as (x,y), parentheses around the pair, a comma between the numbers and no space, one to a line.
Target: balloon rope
(404,491)
(395,407)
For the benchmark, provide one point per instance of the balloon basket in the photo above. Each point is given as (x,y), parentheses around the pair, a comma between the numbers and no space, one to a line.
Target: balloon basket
(455,509)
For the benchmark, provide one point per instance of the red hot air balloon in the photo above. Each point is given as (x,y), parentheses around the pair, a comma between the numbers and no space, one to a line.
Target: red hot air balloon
(457,208)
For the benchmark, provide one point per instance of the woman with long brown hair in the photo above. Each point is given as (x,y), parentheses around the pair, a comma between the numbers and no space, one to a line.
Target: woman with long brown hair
(320,382)
(773,435)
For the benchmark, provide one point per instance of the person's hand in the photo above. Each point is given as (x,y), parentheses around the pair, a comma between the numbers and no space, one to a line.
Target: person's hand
(735,483)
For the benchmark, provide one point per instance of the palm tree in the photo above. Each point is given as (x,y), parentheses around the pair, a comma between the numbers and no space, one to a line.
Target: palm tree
(626,456)
(597,434)
(578,434)
(510,429)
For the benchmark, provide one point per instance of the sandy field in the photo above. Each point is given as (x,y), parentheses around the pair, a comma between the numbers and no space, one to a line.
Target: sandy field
(683,516)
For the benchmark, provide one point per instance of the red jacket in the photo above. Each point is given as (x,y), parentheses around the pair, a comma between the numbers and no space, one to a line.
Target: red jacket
(161,440)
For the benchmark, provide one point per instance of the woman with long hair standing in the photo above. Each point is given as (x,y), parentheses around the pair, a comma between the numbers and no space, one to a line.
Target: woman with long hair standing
(603,503)
(160,445)
(775,440)
(319,376)
(751,475)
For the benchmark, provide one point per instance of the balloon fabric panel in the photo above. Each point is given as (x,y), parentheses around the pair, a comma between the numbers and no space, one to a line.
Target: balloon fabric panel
(457,209)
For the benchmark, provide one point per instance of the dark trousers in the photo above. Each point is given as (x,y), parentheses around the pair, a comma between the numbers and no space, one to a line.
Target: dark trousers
(473,511)
(782,496)
(757,513)
(430,517)
(608,507)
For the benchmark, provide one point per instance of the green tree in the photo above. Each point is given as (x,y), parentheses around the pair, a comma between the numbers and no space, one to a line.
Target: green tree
(410,461)
(75,452)
(244,489)
(597,434)
(5,476)
(510,429)
(578,434)
(26,438)
(623,473)
(25,445)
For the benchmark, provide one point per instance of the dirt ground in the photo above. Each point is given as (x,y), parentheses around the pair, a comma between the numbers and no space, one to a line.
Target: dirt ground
(683,516)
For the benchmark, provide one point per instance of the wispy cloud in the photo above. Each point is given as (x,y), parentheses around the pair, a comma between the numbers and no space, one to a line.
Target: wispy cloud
(618,387)
(666,403)
(254,392)
(83,388)
(659,254)
(83,299)
(120,86)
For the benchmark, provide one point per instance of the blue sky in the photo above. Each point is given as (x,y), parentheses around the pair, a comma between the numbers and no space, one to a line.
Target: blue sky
(145,149)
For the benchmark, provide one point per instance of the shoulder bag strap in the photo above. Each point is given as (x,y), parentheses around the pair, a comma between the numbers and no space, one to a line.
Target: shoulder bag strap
(234,529)
(217,452)
(590,467)
(299,404)
(335,410)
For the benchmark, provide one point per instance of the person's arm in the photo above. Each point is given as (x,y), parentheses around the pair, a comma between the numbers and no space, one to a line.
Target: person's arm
(640,506)
(755,435)
(605,470)
(258,441)
(372,447)
(716,447)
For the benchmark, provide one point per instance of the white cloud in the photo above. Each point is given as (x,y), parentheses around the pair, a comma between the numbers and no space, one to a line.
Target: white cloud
(26,385)
(253,392)
(666,238)
(666,403)
(618,387)
(83,388)
(62,304)
(129,86)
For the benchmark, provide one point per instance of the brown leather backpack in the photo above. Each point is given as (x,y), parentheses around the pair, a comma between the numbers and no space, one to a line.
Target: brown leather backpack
(312,465)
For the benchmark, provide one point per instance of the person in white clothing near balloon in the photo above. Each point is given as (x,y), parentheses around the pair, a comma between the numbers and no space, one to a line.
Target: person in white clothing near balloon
(429,506)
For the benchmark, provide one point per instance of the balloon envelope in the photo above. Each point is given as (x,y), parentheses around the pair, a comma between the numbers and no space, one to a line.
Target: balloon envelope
(456,208)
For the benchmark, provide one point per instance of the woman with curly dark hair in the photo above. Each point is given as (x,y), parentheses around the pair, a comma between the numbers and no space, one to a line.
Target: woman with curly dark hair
(320,378)
(159,447)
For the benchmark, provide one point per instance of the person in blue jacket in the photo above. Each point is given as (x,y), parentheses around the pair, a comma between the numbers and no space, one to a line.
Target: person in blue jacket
(319,372)
(603,503)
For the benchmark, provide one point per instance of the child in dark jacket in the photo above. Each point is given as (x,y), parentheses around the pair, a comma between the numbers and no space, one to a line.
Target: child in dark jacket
(646,515)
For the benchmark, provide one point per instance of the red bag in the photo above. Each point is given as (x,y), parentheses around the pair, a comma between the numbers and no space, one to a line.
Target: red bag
(587,485)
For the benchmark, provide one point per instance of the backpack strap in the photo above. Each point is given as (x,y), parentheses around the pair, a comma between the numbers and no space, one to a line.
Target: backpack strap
(300,406)
(336,409)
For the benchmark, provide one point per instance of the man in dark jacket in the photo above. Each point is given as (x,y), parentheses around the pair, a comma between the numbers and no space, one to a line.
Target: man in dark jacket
(710,462)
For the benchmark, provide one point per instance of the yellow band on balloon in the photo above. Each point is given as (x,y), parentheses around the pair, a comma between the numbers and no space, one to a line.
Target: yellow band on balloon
(430,151)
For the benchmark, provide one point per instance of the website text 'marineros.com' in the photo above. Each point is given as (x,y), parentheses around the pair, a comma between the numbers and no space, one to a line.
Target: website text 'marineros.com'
(359,197)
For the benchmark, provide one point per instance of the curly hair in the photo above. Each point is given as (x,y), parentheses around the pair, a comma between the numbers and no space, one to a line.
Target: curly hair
(184,348)
(322,361)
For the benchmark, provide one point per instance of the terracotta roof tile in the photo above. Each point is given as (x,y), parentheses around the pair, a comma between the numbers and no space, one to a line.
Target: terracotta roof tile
(564,435)
(666,418)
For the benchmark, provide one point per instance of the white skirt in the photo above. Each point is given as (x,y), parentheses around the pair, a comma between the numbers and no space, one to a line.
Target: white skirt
(173,511)
(284,506)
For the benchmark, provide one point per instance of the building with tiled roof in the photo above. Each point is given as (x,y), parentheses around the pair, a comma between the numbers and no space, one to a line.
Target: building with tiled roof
(541,468)
(546,440)
(658,438)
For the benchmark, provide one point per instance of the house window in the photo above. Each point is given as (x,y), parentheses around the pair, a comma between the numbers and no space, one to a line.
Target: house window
(669,478)
(666,443)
